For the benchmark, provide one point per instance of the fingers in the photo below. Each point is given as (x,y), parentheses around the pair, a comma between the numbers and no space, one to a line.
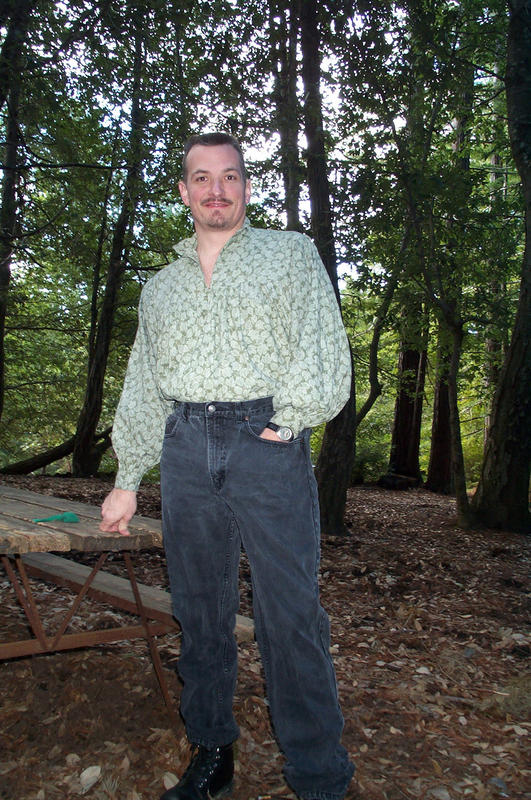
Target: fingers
(117,510)
(115,526)
(122,527)
(110,524)
(267,433)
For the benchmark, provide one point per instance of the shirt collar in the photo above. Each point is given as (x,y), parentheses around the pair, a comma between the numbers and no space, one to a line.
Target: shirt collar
(188,247)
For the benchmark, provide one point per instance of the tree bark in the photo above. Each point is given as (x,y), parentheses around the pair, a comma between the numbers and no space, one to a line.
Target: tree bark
(449,281)
(440,478)
(502,496)
(317,166)
(287,110)
(86,457)
(41,460)
(405,440)
(18,12)
(8,223)
(464,516)
(10,87)
(336,459)
(338,450)
(98,261)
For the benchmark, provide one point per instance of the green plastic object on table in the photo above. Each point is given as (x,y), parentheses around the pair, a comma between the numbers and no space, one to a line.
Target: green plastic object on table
(68,516)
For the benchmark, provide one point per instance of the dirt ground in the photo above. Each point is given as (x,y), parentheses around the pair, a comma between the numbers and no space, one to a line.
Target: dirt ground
(431,642)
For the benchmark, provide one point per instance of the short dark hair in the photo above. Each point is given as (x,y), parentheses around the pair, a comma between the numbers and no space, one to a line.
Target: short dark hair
(210,140)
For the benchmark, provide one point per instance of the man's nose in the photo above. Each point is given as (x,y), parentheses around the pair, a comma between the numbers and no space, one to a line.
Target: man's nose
(217,186)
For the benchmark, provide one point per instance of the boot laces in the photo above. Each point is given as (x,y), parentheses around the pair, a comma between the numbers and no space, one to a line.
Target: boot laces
(201,761)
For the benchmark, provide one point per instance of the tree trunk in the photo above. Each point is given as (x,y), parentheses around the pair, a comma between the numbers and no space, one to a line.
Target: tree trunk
(375,387)
(495,344)
(317,167)
(11,64)
(8,223)
(287,110)
(464,517)
(440,477)
(41,460)
(447,297)
(86,457)
(502,496)
(98,261)
(338,449)
(336,459)
(405,442)
(18,12)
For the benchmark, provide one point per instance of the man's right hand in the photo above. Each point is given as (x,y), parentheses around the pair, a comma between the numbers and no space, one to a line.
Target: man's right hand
(116,511)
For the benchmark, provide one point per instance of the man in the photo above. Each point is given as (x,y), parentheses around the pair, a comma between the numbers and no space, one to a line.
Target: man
(240,350)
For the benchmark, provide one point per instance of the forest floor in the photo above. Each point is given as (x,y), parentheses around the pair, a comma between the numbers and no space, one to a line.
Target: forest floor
(431,642)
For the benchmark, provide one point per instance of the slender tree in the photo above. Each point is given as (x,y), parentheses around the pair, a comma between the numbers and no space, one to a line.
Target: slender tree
(502,496)
(87,453)
(444,438)
(11,70)
(15,16)
(336,458)
(440,477)
(286,20)
(405,439)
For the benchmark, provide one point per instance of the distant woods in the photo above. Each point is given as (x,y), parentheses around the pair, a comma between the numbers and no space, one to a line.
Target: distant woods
(395,134)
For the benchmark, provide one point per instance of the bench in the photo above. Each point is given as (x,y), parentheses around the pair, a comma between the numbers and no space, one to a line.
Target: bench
(114,590)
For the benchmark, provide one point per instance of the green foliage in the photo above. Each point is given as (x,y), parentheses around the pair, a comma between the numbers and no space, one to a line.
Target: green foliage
(409,204)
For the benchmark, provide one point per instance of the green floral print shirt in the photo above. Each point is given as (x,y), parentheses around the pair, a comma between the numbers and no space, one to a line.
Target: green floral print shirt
(268,325)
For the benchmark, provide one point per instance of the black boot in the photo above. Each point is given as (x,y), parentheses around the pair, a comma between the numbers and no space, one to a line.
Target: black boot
(208,775)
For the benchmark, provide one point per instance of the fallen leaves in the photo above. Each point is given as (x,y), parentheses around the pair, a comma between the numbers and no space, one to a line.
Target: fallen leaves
(88,778)
(430,638)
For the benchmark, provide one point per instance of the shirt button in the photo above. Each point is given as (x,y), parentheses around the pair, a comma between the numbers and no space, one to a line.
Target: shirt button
(211,408)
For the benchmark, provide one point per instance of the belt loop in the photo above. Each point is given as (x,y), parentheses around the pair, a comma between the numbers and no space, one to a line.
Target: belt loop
(182,407)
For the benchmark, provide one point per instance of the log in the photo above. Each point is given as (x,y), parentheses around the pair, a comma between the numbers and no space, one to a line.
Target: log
(41,460)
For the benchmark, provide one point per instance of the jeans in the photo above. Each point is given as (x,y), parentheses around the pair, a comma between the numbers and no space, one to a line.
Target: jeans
(224,487)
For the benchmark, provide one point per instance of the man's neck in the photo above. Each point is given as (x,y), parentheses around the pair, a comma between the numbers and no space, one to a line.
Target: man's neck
(210,243)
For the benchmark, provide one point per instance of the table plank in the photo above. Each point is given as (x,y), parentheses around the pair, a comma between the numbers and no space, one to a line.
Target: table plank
(21,506)
(46,503)
(55,505)
(18,536)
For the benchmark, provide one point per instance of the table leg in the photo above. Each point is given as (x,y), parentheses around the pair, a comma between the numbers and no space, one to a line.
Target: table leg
(42,643)
(77,602)
(155,655)
(25,598)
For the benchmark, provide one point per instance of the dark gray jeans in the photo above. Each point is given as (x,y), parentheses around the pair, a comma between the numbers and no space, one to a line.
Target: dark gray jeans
(223,486)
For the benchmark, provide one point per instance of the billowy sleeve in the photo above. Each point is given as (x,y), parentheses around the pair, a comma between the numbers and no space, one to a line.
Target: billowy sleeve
(317,384)
(140,418)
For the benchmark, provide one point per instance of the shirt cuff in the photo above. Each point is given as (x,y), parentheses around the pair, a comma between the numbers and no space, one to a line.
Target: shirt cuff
(126,479)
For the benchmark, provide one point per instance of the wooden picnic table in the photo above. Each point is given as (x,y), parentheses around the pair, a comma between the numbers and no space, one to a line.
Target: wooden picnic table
(19,534)
(28,548)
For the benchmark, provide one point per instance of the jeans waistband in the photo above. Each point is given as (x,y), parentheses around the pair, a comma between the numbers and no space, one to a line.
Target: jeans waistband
(237,410)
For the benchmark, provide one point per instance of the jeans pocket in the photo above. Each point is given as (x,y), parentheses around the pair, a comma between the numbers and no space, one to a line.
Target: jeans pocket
(172,424)
(254,428)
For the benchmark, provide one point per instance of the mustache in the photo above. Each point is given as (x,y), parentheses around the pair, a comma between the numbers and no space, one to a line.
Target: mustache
(224,200)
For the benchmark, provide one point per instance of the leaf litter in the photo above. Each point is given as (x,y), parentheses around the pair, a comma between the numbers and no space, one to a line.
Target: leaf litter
(430,639)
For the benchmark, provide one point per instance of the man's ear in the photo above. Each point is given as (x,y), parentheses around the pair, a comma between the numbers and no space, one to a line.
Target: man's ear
(184,193)
(247,190)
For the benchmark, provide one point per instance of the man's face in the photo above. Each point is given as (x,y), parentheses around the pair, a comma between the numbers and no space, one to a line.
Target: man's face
(215,190)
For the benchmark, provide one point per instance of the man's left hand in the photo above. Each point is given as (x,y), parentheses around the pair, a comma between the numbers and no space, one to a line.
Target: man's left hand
(267,433)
